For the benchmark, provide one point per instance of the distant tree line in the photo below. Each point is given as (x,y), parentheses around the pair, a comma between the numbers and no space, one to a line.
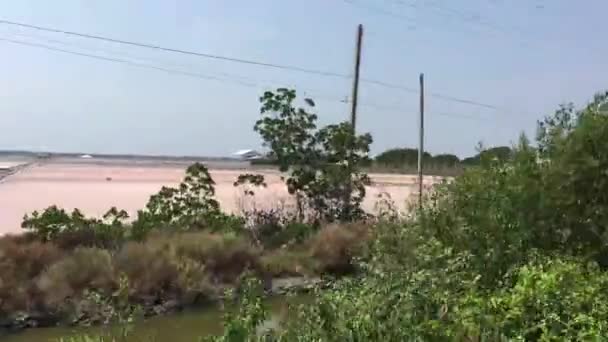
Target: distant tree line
(406,157)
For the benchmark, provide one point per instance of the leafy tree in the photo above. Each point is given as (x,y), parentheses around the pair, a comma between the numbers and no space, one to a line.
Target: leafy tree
(322,164)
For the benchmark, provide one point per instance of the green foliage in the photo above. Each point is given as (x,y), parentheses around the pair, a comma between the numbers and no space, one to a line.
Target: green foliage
(183,206)
(189,206)
(575,154)
(512,250)
(494,212)
(505,252)
(245,323)
(551,300)
(323,164)
(55,223)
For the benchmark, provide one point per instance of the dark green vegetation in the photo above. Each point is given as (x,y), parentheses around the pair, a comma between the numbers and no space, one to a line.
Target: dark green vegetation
(511,250)
(514,249)
(405,160)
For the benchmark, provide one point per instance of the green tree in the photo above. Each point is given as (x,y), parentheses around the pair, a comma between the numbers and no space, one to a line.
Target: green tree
(322,164)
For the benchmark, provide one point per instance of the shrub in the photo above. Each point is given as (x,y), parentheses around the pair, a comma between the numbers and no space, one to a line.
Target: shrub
(190,205)
(288,263)
(101,237)
(20,264)
(84,269)
(551,198)
(225,257)
(273,236)
(73,230)
(335,247)
(150,271)
(494,211)
(552,299)
(573,146)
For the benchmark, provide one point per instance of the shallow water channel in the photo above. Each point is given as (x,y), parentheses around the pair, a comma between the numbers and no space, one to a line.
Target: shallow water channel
(187,326)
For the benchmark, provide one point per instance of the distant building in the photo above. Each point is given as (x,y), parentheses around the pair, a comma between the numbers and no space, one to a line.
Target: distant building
(248,154)
(86,156)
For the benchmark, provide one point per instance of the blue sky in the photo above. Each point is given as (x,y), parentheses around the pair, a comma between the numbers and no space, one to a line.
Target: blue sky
(523,56)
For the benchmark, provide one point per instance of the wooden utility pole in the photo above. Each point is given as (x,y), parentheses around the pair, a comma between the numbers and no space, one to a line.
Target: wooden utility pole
(353,113)
(421,145)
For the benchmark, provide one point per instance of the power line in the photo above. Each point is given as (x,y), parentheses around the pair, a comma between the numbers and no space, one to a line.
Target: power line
(456,14)
(241,79)
(238,60)
(226,79)
(185,52)
(432,94)
(473,18)
(401,110)
(208,77)
(115,60)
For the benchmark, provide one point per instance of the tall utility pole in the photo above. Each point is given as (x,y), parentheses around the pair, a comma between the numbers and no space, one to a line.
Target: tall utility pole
(421,145)
(353,113)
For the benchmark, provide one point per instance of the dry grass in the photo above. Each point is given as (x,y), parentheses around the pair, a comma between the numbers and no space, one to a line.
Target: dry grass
(189,267)
(20,262)
(149,270)
(84,269)
(224,256)
(335,246)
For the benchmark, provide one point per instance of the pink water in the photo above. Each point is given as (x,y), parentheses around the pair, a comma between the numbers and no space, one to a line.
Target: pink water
(88,188)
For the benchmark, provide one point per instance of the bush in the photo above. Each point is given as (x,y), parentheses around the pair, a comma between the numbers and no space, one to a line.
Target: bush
(505,252)
(150,271)
(84,269)
(74,230)
(551,300)
(273,236)
(20,264)
(495,212)
(225,257)
(190,205)
(288,263)
(100,237)
(335,247)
